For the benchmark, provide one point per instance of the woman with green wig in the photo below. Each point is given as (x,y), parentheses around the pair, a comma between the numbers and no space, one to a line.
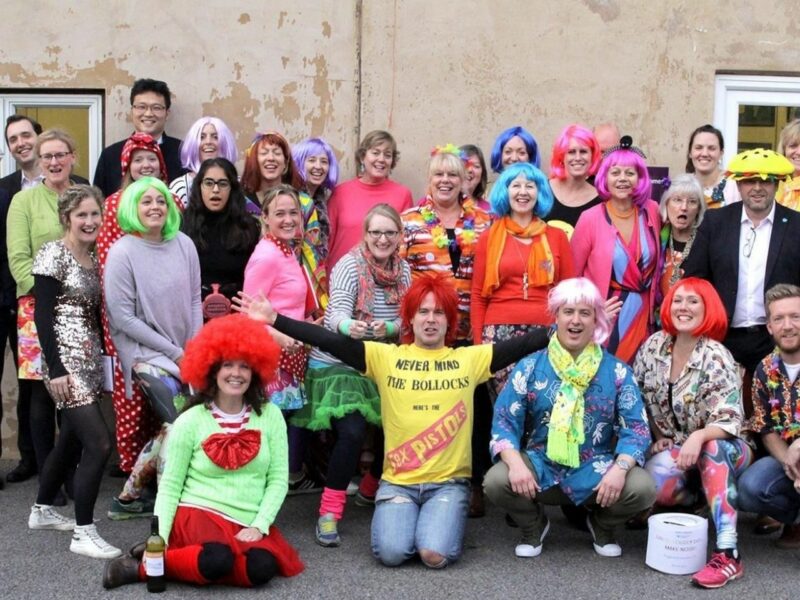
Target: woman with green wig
(152,294)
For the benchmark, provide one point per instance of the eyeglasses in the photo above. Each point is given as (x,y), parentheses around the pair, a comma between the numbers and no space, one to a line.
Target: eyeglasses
(156,109)
(375,235)
(222,184)
(59,156)
(688,202)
(749,242)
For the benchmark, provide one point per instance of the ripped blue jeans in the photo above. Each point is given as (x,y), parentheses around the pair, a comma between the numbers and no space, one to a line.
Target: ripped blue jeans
(424,516)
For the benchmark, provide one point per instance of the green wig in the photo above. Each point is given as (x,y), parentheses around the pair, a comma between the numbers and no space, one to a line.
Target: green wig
(128,211)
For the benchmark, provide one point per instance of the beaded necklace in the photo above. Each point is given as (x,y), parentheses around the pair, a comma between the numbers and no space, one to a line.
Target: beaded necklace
(466,236)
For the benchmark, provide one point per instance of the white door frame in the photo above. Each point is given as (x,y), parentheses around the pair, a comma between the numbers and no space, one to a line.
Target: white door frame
(93,102)
(731,91)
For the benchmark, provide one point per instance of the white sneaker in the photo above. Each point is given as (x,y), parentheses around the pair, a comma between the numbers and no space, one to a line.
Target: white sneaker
(45,517)
(87,542)
(610,550)
(529,550)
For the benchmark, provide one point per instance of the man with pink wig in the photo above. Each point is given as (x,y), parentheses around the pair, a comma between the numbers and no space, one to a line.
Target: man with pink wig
(554,425)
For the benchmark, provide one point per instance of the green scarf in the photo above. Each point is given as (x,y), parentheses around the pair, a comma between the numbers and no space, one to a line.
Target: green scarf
(566,420)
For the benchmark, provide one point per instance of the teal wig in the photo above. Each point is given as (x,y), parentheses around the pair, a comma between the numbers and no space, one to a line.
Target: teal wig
(128,212)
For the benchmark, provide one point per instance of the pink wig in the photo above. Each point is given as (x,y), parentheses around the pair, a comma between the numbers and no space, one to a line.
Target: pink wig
(624,158)
(583,136)
(581,289)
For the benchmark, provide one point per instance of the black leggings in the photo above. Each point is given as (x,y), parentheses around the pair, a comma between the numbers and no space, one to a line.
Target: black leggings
(351,430)
(81,428)
(42,421)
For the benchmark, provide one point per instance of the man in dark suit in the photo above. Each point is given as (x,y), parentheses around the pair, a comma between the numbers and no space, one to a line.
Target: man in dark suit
(744,249)
(150,103)
(21,134)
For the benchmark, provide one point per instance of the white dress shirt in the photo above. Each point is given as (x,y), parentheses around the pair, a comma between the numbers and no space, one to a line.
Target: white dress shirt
(753,251)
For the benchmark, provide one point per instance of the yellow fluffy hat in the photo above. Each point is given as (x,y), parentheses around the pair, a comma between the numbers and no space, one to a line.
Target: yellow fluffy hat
(759,162)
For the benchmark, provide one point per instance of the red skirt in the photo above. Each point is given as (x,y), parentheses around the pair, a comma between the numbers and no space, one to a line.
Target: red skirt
(197,526)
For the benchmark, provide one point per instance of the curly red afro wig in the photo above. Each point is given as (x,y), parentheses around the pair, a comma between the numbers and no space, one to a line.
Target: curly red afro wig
(233,337)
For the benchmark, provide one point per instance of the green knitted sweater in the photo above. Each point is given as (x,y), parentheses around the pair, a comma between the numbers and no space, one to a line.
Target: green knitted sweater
(250,495)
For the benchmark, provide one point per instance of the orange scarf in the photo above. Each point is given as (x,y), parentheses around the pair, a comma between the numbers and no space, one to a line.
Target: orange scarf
(541,270)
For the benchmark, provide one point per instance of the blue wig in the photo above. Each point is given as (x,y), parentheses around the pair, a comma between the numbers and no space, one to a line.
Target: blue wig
(499,195)
(502,140)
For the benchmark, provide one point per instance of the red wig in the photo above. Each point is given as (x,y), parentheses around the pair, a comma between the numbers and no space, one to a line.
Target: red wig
(446,298)
(715,320)
(233,337)
(251,176)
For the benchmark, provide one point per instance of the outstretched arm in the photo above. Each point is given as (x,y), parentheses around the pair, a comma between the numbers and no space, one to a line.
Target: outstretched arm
(508,352)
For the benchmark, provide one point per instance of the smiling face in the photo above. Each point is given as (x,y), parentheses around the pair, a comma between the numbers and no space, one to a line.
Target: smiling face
(575,325)
(83,222)
(429,324)
(21,140)
(316,171)
(144,163)
(149,113)
(382,237)
(283,218)
(784,324)
(792,152)
(378,162)
(215,189)
(474,174)
(687,310)
(272,164)
(522,195)
(515,151)
(577,160)
(209,142)
(56,161)
(682,211)
(152,211)
(705,153)
(445,186)
(622,181)
(757,195)
(233,378)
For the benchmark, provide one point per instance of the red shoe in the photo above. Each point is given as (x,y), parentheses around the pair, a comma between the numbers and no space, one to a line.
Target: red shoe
(721,569)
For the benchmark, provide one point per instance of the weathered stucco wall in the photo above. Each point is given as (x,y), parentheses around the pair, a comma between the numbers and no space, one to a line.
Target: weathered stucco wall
(431,72)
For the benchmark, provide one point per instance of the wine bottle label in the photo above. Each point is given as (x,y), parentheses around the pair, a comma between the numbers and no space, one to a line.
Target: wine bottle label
(154,564)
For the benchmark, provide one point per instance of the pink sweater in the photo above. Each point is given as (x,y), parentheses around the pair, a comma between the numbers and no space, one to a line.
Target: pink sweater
(278,277)
(348,206)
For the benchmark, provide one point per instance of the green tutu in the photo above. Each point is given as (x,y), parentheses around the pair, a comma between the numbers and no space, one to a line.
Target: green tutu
(333,393)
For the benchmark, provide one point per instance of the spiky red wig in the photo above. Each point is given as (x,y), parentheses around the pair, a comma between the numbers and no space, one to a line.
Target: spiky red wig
(446,298)
(233,337)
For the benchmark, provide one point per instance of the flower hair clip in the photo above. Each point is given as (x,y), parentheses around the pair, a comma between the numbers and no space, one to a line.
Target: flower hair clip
(450,148)
(625,143)
(260,136)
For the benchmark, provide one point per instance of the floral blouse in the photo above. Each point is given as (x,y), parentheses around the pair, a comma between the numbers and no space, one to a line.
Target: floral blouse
(776,400)
(707,392)
(612,407)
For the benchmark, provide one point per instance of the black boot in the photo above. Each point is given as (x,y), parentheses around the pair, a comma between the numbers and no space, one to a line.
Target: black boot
(120,571)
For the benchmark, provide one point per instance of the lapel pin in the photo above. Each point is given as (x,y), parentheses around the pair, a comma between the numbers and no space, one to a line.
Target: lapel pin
(785,220)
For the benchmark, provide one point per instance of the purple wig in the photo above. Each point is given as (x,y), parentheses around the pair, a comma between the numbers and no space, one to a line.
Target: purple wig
(583,136)
(190,147)
(624,158)
(311,147)
(581,289)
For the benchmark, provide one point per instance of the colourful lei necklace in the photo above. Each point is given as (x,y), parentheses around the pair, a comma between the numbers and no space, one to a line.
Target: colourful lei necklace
(786,424)
(466,236)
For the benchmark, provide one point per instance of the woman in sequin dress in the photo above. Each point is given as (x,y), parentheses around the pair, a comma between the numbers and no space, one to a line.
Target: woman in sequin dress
(67,292)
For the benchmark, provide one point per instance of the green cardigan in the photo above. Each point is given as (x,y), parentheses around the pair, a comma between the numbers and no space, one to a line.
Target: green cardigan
(32,221)
(250,495)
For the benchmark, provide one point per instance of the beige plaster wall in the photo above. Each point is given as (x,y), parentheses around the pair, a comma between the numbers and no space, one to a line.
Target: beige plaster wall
(431,72)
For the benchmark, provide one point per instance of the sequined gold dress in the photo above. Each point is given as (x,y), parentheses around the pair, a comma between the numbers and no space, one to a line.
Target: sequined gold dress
(71,336)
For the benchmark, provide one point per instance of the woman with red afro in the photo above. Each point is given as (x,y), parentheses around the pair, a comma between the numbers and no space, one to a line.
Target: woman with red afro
(426,391)
(691,389)
(227,472)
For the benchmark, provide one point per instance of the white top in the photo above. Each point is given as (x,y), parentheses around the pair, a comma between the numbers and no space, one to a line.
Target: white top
(753,241)
(792,370)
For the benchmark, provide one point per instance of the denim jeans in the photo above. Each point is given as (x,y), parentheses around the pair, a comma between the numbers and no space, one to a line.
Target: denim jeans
(425,516)
(765,488)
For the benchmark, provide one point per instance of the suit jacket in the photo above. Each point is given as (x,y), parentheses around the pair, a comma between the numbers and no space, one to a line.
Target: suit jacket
(715,253)
(13,183)
(108,174)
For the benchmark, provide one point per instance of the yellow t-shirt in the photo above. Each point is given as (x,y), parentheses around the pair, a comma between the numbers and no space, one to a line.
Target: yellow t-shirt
(426,408)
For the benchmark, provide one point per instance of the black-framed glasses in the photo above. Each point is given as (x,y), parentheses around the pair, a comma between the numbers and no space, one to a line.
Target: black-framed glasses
(59,156)
(156,109)
(209,183)
(749,242)
(376,234)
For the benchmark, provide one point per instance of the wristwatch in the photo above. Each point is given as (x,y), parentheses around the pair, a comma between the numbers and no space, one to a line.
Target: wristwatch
(623,464)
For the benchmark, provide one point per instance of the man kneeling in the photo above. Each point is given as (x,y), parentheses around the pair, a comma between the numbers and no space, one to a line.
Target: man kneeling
(563,406)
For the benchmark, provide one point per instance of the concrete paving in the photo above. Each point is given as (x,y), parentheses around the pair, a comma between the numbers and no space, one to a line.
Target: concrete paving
(38,564)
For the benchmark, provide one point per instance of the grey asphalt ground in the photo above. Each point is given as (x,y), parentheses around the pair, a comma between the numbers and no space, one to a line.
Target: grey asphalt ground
(38,564)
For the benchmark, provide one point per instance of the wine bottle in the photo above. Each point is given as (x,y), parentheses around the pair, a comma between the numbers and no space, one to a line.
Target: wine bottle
(154,559)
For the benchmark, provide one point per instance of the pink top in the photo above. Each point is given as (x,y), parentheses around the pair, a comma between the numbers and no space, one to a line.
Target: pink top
(279,277)
(348,206)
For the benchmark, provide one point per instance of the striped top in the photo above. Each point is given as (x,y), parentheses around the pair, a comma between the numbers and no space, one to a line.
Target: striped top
(231,423)
(342,304)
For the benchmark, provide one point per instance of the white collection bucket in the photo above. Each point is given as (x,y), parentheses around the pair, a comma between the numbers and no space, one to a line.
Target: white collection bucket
(676,543)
